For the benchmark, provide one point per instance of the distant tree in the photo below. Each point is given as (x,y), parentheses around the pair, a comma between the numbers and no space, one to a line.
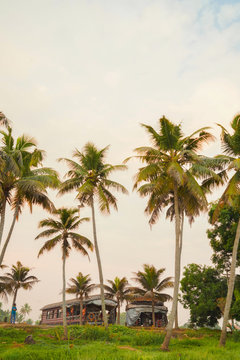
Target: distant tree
(222,234)
(25,310)
(4,314)
(201,288)
(19,278)
(4,121)
(150,283)
(81,287)
(62,229)
(118,290)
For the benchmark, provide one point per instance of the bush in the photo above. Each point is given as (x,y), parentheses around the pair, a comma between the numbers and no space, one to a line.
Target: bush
(144,338)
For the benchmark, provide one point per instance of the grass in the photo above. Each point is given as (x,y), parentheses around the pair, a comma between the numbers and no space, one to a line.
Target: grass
(116,343)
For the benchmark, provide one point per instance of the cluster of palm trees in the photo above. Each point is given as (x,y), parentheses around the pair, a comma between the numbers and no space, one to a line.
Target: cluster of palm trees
(149,283)
(174,176)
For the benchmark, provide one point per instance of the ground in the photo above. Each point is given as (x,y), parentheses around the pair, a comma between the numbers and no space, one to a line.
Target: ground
(116,343)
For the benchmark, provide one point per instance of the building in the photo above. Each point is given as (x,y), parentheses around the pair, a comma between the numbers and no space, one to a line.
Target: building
(139,312)
(92,311)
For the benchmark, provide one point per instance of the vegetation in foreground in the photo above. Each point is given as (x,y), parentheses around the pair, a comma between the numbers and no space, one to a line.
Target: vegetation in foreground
(115,343)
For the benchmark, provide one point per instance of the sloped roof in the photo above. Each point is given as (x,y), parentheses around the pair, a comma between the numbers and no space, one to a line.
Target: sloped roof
(76,302)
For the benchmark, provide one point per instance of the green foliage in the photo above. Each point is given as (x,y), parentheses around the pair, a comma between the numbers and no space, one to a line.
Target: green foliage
(120,343)
(201,286)
(4,314)
(222,235)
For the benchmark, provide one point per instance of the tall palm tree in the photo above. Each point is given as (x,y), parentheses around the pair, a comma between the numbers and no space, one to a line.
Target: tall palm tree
(19,278)
(90,178)
(166,174)
(81,286)
(119,290)
(151,284)
(230,197)
(62,229)
(23,180)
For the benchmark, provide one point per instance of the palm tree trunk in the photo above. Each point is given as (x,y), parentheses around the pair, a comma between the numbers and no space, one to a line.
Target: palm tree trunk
(177,272)
(64,296)
(180,249)
(118,315)
(153,311)
(230,287)
(9,235)
(13,302)
(99,266)
(2,222)
(81,310)
(14,297)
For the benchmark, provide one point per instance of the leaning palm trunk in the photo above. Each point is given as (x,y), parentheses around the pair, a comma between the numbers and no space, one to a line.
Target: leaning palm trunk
(81,310)
(99,266)
(9,235)
(177,273)
(64,296)
(230,287)
(2,222)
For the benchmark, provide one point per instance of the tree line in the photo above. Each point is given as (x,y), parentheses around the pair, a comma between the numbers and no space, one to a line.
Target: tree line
(174,176)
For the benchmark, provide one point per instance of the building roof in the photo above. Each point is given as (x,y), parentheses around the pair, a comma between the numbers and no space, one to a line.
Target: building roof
(90,299)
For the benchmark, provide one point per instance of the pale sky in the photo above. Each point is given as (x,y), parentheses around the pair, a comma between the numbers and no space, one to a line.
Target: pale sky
(78,71)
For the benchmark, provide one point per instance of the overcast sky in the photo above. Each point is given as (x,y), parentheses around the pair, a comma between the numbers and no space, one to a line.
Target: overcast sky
(78,71)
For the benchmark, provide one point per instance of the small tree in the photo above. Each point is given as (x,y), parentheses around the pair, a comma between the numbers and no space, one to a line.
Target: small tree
(25,310)
(202,287)
(19,278)
(150,283)
(118,289)
(81,286)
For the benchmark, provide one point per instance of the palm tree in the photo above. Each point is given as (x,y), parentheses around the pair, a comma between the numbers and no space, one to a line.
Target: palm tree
(19,278)
(118,289)
(81,286)
(62,231)
(25,310)
(173,164)
(22,180)
(230,197)
(151,284)
(90,177)
(4,121)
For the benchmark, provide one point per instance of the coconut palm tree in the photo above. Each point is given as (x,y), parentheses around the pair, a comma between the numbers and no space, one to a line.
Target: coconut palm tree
(81,286)
(62,229)
(119,290)
(151,284)
(25,310)
(173,164)
(89,176)
(230,197)
(19,278)
(23,181)
(4,121)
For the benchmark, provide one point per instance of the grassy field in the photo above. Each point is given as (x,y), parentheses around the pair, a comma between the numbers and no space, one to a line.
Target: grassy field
(117,343)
